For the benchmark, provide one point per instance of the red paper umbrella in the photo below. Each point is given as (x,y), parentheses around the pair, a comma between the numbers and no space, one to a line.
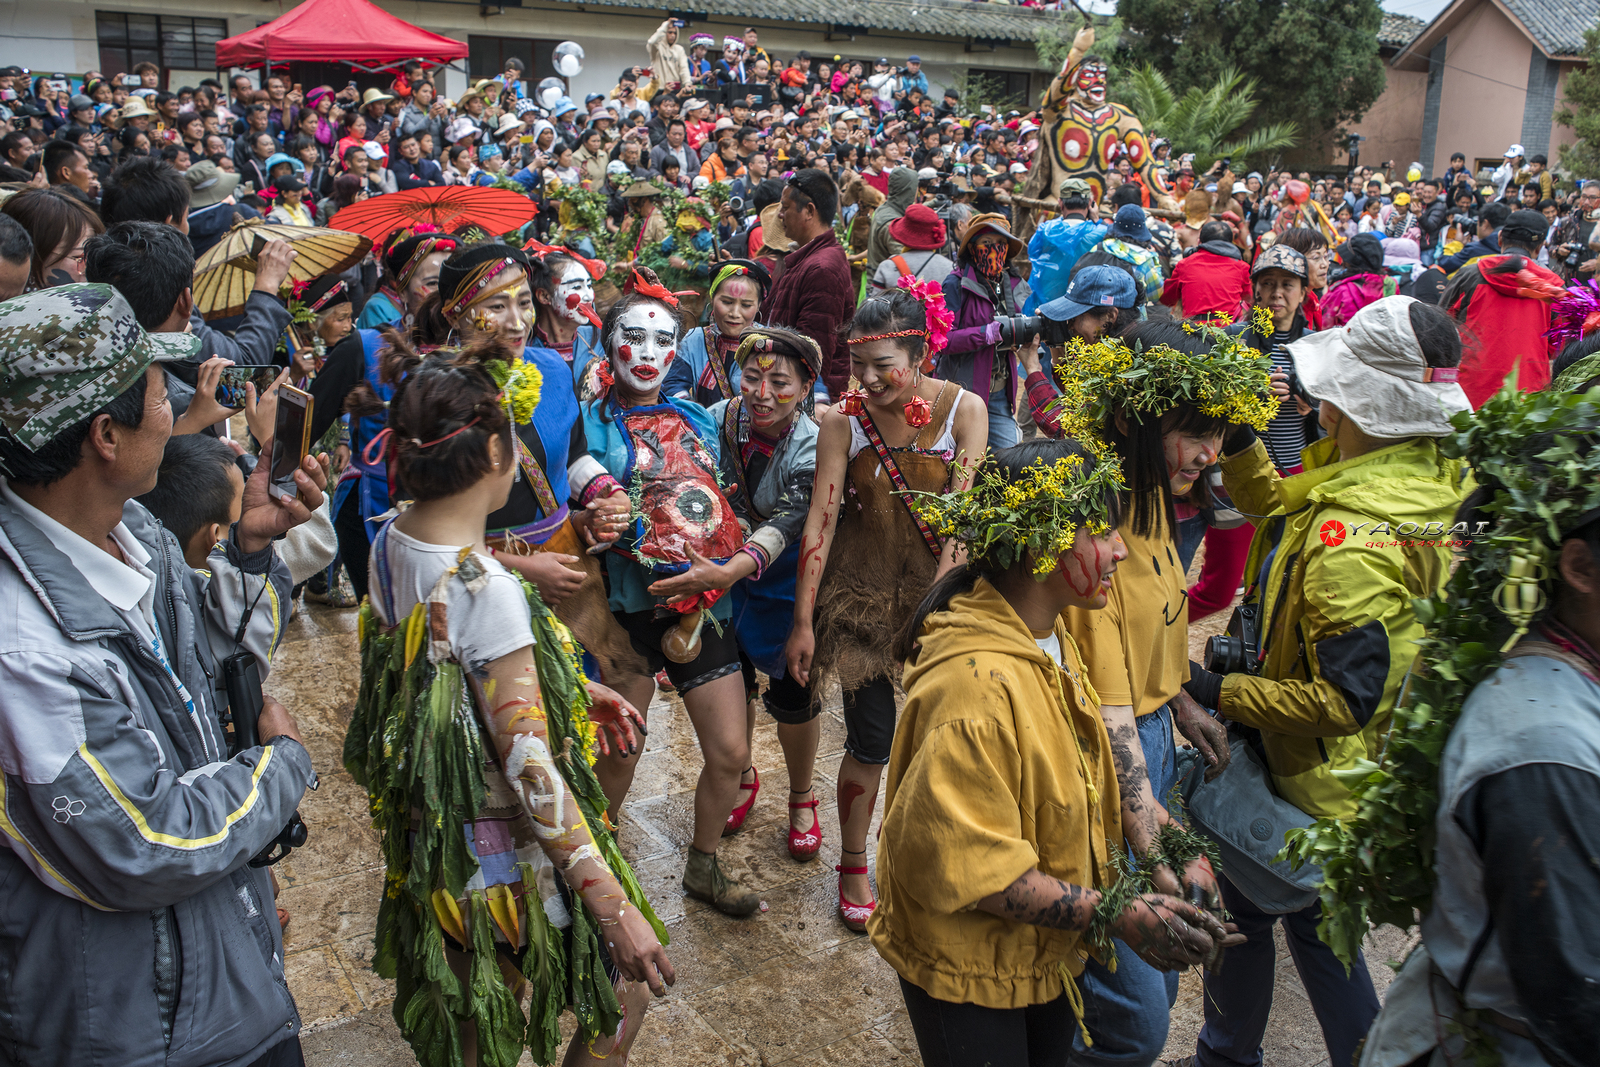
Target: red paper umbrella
(497,211)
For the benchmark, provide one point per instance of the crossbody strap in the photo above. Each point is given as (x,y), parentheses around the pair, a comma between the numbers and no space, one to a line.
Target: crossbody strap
(714,358)
(537,480)
(899,482)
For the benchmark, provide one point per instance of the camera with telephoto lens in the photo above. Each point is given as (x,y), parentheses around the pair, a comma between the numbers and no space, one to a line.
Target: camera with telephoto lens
(242,681)
(1018,329)
(1238,648)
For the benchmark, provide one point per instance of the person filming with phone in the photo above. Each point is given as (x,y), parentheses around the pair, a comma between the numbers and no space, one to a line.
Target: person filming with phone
(130,830)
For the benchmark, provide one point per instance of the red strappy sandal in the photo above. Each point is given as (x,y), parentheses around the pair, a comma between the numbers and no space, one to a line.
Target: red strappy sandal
(805,844)
(855,916)
(738,815)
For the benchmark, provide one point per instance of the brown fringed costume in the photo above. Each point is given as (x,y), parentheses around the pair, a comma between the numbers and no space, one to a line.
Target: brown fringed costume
(880,567)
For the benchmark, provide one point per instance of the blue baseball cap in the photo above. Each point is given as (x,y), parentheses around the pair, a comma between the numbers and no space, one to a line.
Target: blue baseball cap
(1092,287)
(1129,224)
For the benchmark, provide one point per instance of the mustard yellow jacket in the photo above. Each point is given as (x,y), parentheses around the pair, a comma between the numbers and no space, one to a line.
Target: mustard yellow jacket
(1338,624)
(1000,764)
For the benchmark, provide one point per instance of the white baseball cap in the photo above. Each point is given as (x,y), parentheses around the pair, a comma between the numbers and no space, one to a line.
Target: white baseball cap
(374,150)
(1514,151)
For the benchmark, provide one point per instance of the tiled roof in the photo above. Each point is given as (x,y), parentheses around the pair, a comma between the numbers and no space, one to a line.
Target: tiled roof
(943,18)
(1397,31)
(1557,25)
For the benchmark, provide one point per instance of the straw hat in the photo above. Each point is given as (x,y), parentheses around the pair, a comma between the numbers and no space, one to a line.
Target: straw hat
(373,96)
(509,124)
(772,233)
(639,189)
(134,109)
(991,222)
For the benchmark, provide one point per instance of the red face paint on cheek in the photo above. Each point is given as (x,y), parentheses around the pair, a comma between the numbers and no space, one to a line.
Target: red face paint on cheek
(672,354)
(626,352)
(573,300)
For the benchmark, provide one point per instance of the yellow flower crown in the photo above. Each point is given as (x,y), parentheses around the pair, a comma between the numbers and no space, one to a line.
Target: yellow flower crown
(1231,382)
(520,384)
(1039,514)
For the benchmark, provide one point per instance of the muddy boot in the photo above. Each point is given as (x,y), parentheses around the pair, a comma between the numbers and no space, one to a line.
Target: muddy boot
(703,879)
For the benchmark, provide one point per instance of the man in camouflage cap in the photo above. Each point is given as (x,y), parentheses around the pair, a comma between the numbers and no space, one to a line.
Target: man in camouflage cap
(127,824)
(1077,198)
(67,352)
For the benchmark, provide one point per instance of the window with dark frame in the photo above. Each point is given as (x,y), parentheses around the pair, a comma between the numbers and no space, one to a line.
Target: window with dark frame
(128,38)
(486,57)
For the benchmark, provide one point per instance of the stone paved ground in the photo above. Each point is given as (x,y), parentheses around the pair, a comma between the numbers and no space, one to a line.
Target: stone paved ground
(789,986)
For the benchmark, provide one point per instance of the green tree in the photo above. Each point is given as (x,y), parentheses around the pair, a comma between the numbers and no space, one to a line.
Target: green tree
(978,89)
(1207,121)
(1581,112)
(1314,60)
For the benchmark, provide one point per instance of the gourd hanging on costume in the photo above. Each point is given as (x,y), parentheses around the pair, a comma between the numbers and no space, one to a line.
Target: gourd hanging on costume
(678,504)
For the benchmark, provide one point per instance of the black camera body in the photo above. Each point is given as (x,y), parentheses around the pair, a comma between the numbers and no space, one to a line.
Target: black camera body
(1238,648)
(242,681)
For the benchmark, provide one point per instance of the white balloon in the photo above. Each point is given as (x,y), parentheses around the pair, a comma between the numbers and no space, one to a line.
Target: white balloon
(568,59)
(550,90)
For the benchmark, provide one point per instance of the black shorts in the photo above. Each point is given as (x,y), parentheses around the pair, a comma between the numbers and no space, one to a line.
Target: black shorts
(869,721)
(718,658)
(786,700)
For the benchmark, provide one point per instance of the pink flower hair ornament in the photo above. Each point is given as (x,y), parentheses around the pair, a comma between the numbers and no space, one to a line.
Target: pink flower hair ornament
(939,317)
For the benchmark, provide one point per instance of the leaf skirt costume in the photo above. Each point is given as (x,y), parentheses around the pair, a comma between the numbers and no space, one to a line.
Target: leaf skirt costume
(453,834)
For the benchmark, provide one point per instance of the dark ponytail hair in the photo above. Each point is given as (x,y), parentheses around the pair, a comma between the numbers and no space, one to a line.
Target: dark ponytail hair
(889,312)
(1010,464)
(1144,458)
(435,397)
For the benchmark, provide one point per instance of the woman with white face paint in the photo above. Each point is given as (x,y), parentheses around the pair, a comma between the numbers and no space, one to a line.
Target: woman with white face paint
(734,298)
(666,450)
(564,316)
(561,500)
(769,454)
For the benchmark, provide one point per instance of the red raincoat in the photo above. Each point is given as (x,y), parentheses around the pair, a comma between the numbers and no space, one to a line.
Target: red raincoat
(1505,327)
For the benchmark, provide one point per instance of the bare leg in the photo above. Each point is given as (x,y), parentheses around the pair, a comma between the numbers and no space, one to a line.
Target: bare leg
(719,723)
(749,775)
(858,795)
(635,999)
(799,741)
(616,770)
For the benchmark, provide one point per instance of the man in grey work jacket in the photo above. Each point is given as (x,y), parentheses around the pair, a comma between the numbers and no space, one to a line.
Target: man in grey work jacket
(133,932)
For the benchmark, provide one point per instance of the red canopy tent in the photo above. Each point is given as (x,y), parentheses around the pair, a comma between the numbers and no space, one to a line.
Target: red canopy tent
(356,32)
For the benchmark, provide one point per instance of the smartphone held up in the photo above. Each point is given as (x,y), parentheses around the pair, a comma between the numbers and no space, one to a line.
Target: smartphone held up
(291,438)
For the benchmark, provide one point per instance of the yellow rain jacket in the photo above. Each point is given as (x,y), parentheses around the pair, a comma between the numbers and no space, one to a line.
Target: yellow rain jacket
(1338,624)
(1000,764)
